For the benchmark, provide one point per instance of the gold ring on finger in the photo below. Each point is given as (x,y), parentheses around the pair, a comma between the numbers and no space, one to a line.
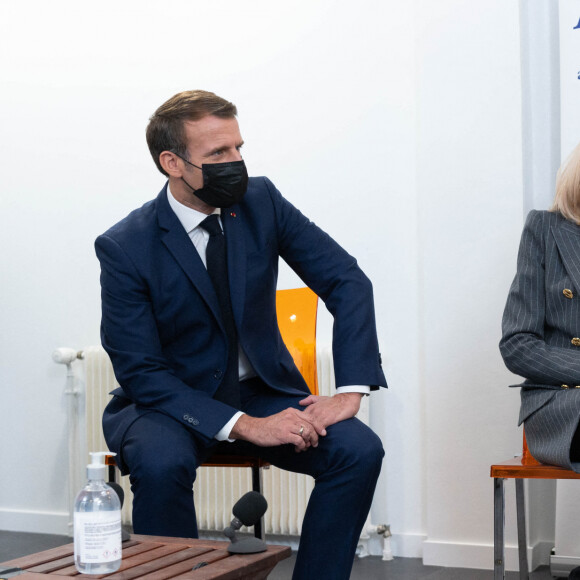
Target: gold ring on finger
(301,430)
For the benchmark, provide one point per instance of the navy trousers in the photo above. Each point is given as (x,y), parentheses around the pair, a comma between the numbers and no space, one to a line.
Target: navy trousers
(163,456)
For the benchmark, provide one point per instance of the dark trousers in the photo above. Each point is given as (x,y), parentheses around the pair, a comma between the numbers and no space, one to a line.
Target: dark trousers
(163,456)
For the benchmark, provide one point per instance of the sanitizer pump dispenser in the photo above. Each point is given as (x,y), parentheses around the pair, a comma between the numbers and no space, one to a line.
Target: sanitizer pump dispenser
(97,522)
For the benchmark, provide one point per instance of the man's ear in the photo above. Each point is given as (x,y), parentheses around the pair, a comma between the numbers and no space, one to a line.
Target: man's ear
(172,164)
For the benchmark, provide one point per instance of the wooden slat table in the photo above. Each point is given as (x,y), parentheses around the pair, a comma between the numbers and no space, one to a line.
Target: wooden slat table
(158,558)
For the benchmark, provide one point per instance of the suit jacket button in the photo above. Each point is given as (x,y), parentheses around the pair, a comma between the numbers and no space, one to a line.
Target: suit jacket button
(218,374)
(186,417)
(568,293)
(575,341)
(565,387)
(194,422)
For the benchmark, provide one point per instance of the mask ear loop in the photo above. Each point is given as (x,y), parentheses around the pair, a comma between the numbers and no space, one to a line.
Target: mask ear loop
(192,189)
(190,163)
(184,159)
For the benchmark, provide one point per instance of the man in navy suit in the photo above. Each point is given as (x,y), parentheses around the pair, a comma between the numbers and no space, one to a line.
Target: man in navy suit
(200,359)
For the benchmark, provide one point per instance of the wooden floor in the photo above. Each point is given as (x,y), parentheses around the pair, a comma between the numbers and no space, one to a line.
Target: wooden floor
(17,544)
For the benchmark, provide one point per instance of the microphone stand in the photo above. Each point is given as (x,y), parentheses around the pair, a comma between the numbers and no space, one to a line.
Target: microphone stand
(245,546)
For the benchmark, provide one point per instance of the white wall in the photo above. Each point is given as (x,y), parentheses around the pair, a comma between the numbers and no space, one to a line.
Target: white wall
(325,101)
(396,126)
(470,198)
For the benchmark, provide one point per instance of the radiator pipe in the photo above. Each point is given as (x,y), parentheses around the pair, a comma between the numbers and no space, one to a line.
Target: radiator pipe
(67,356)
(383,530)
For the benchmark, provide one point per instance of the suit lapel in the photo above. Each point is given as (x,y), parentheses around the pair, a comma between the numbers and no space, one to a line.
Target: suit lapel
(175,238)
(233,223)
(567,236)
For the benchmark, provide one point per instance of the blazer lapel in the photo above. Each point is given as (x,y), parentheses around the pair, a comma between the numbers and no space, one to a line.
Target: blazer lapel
(178,243)
(233,223)
(567,236)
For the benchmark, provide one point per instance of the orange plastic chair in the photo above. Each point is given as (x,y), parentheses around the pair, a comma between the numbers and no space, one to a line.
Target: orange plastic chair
(296,310)
(522,467)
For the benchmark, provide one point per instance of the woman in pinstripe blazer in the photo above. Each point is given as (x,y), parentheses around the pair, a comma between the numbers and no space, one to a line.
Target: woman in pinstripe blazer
(541,324)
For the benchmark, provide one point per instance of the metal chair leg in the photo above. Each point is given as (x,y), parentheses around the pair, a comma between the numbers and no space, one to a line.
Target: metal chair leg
(498,532)
(521,519)
(112,473)
(257,485)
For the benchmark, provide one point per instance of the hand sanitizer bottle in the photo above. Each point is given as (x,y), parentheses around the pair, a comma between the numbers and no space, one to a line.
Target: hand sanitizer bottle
(97,522)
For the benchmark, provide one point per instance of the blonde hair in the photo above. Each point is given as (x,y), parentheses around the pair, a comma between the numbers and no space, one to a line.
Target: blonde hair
(567,198)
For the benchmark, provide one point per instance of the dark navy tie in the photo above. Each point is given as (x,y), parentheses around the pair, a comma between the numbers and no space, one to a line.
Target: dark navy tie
(217,268)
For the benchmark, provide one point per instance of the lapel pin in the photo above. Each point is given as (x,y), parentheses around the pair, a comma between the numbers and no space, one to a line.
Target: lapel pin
(233,214)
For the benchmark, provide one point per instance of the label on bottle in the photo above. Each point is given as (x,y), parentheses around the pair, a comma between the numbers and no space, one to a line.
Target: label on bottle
(97,536)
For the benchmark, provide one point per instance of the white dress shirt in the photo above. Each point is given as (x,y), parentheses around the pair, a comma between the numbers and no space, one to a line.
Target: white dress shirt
(190,220)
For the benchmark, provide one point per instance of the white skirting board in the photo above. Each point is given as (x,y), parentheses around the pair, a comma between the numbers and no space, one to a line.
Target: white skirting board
(35,522)
(560,566)
(447,554)
(405,545)
(453,555)
(480,556)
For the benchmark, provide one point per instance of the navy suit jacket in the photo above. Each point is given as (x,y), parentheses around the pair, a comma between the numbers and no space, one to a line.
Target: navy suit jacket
(161,322)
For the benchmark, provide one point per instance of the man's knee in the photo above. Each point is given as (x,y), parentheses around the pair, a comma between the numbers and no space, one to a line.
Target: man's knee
(160,460)
(370,451)
(165,470)
(373,445)
(360,446)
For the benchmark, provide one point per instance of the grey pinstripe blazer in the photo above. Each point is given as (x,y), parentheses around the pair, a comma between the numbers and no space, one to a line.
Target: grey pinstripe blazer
(541,335)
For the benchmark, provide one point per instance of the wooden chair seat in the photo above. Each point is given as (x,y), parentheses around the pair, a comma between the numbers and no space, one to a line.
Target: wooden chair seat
(519,468)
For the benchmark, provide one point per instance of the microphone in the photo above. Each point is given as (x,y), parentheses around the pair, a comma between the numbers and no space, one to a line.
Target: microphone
(249,509)
(247,512)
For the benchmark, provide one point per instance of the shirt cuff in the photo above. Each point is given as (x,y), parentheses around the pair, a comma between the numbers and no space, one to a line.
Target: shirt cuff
(364,389)
(224,433)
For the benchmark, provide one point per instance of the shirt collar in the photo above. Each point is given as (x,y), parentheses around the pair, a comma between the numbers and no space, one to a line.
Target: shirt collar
(190,218)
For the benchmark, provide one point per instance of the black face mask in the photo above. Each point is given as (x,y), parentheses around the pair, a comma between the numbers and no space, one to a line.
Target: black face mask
(224,184)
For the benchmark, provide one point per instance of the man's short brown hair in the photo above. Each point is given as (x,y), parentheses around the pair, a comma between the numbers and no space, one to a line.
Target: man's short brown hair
(166,131)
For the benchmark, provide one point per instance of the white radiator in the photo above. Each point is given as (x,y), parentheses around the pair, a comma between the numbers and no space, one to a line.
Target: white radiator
(216,488)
